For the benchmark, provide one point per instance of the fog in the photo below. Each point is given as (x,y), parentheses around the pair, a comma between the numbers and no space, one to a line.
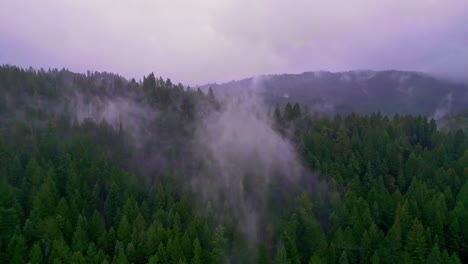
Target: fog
(235,152)
(125,113)
(242,155)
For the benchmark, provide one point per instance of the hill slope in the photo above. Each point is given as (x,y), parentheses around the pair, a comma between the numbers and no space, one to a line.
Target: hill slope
(358,91)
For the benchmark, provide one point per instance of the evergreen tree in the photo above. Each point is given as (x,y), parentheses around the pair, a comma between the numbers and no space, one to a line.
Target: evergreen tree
(16,250)
(344,258)
(288,112)
(296,111)
(219,245)
(416,242)
(112,204)
(277,114)
(281,257)
(35,255)
(197,252)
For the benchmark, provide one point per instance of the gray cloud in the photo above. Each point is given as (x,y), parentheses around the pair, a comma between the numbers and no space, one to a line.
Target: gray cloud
(201,41)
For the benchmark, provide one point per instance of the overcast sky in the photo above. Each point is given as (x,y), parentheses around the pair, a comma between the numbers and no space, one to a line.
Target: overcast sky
(199,41)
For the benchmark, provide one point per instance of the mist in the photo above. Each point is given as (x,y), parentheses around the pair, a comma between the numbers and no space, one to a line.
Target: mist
(122,113)
(236,153)
(242,155)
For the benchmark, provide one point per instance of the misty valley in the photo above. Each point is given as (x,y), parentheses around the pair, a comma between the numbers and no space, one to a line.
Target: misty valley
(317,168)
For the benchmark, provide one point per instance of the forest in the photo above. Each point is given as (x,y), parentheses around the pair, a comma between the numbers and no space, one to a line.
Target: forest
(95,168)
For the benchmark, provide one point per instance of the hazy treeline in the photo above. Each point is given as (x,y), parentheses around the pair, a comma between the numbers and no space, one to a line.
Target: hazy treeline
(361,91)
(98,169)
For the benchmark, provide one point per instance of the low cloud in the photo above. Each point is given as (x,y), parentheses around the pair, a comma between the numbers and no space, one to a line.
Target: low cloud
(242,155)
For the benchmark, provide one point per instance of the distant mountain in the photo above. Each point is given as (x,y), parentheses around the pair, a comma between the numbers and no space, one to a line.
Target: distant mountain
(357,91)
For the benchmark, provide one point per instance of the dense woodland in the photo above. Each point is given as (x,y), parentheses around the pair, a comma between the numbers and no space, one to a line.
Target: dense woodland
(381,189)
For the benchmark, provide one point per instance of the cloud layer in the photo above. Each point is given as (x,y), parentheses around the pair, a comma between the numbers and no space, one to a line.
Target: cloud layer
(218,40)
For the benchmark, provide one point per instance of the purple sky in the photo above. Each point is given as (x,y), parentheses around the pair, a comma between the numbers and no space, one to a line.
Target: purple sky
(201,41)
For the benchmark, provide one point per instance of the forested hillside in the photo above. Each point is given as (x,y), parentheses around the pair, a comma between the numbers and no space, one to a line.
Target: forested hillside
(95,168)
(361,92)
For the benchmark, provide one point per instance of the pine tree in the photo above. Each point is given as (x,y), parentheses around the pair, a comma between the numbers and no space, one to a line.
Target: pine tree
(281,257)
(112,204)
(288,112)
(77,258)
(219,245)
(454,239)
(197,252)
(315,259)
(161,255)
(296,111)
(365,248)
(95,226)
(416,242)
(16,250)
(124,229)
(375,258)
(120,257)
(60,251)
(35,255)
(277,114)
(211,95)
(80,237)
(344,258)
(130,252)
(46,199)
(434,255)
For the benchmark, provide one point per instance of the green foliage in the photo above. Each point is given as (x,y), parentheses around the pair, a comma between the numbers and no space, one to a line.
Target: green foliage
(389,190)
(281,257)
(68,226)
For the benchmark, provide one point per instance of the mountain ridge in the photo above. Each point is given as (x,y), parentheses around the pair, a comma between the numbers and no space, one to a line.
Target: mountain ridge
(360,91)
